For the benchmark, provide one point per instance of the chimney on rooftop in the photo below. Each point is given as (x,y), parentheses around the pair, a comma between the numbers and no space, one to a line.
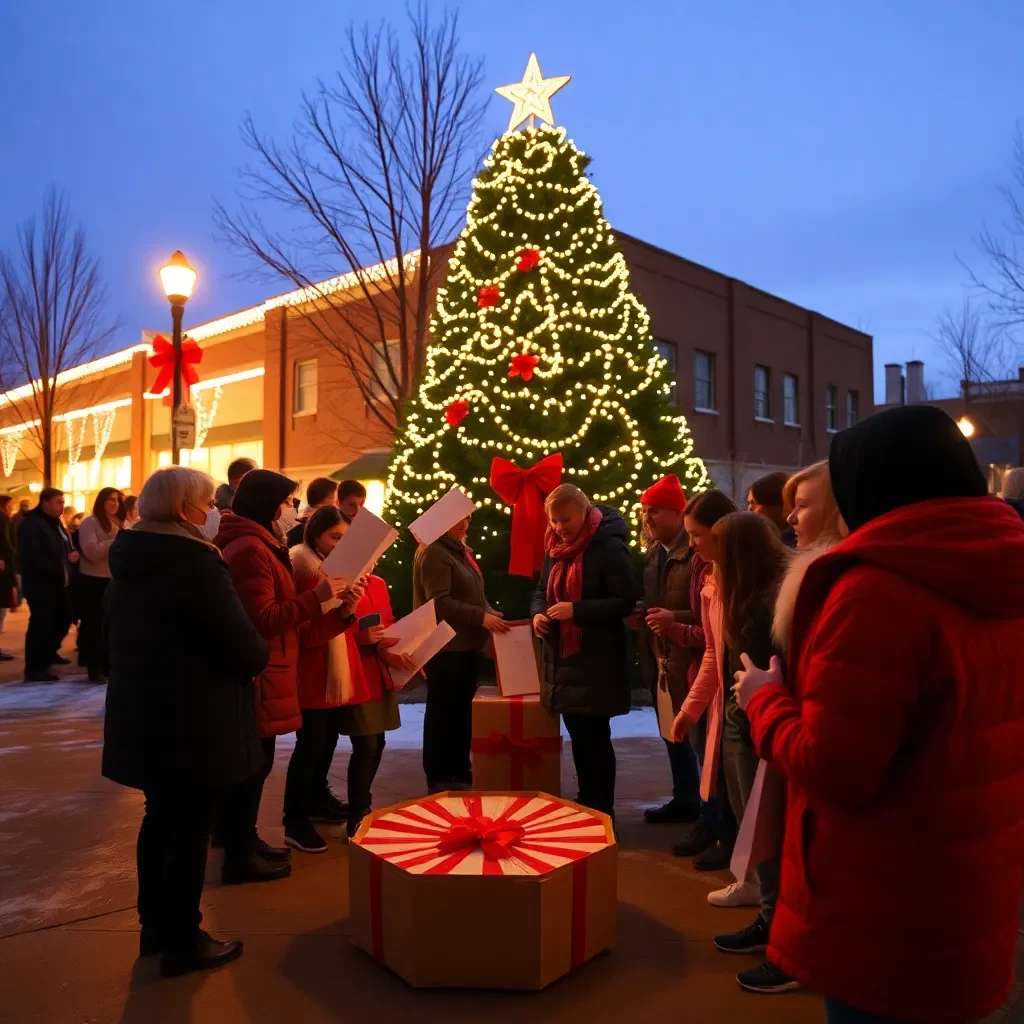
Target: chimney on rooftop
(915,382)
(893,384)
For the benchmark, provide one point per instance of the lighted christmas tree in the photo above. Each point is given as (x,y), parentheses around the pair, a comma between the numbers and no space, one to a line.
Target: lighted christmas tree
(537,347)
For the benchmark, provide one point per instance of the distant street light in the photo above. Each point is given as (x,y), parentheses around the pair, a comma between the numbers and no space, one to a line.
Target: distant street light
(966,426)
(178,279)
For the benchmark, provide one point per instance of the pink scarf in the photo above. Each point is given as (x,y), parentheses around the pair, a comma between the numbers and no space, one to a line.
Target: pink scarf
(565,581)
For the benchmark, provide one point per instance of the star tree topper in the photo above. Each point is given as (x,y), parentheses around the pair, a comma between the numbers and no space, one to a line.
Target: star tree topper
(532,96)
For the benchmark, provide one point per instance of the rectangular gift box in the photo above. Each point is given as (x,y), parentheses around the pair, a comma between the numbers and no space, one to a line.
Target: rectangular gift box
(483,890)
(517,744)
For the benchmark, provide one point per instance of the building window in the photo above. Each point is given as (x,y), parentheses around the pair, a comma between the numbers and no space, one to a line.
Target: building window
(762,393)
(790,401)
(381,382)
(831,412)
(704,382)
(667,351)
(852,408)
(305,387)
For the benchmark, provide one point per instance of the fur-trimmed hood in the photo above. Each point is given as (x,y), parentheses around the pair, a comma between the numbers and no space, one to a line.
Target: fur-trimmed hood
(785,603)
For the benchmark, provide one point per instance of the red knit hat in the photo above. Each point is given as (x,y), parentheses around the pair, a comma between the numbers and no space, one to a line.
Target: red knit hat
(665,493)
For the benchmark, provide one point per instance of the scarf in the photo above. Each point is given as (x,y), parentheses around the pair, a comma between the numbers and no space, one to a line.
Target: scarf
(175,528)
(565,581)
(339,672)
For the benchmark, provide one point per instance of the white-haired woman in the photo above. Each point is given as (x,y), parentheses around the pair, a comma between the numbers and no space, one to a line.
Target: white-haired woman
(586,590)
(180,720)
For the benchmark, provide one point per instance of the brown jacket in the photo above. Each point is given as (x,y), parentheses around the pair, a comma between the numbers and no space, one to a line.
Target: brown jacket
(672,592)
(442,573)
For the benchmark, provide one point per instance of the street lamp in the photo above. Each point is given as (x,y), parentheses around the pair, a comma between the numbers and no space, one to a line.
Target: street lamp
(178,279)
(966,426)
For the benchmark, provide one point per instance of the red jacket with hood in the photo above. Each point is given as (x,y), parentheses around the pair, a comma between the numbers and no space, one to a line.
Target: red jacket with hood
(262,574)
(901,734)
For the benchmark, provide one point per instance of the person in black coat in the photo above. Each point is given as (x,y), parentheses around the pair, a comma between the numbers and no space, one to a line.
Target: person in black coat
(180,719)
(585,592)
(8,566)
(45,558)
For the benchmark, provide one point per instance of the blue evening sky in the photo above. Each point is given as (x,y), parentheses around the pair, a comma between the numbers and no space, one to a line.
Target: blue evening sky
(839,154)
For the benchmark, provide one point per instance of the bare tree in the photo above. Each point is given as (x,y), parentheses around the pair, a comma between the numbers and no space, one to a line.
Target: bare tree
(377,172)
(52,318)
(974,350)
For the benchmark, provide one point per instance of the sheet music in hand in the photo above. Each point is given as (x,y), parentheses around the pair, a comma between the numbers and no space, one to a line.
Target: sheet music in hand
(516,658)
(420,636)
(365,541)
(442,516)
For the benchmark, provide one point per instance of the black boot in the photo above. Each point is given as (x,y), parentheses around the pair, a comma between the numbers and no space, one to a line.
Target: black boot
(206,952)
(253,869)
(355,819)
(276,854)
(715,858)
(696,841)
(149,942)
(674,812)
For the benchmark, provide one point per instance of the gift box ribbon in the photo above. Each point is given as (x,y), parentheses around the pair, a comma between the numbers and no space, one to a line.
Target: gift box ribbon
(523,752)
(497,838)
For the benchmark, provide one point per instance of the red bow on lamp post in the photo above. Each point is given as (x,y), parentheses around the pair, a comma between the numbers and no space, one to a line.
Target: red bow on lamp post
(162,360)
(525,490)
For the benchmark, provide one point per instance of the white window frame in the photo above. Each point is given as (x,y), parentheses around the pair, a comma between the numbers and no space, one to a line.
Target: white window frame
(767,392)
(831,409)
(852,408)
(794,400)
(669,351)
(711,406)
(387,390)
(301,388)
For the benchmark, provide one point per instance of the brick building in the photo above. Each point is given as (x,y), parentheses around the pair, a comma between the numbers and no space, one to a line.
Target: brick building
(762,382)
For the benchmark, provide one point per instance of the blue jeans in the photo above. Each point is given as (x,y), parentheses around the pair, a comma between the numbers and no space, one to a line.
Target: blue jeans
(839,1013)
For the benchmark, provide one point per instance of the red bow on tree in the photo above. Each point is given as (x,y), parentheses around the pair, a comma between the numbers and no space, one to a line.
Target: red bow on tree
(455,412)
(162,360)
(522,365)
(528,259)
(489,295)
(525,490)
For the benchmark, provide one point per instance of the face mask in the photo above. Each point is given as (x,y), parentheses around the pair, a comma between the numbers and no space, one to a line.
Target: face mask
(211,527)
(287,520)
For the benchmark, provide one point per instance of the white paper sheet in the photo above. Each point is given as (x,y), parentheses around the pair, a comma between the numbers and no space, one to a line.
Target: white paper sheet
(412,630)
(516,659)
(666,716)
(438,638)
(366,540)
(442,516)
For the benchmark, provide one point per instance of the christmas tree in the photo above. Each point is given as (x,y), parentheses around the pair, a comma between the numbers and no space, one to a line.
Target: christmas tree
(537,347)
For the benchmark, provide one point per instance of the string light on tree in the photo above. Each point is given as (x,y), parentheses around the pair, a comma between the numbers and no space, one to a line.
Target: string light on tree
(537,346)
(74,431)
(10,448)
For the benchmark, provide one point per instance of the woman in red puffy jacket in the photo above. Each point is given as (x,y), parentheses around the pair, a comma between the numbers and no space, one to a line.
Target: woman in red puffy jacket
(900,731)
(251,539)
(345,688)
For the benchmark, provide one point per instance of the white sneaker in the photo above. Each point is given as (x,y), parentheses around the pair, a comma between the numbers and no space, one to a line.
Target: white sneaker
(739,894)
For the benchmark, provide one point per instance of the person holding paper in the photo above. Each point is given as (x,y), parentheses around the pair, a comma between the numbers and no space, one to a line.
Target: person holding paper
(446,573)
(252,541)
(899,726)
(585,592)
(344,689)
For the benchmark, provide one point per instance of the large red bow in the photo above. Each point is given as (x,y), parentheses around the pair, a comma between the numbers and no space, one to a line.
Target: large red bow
(525,490)
(494,836)
(162,360)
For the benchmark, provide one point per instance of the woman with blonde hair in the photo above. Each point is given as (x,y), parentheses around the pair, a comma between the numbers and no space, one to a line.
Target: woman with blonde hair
(180,720)
(586,590)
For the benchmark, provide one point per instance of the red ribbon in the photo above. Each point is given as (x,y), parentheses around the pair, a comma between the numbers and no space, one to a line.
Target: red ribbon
(522,752)
(163,361)
(495,837)
(525,490)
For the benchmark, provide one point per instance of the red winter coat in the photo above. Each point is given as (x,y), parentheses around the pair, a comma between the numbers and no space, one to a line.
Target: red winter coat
(902,737)
(263,578)
(370,677)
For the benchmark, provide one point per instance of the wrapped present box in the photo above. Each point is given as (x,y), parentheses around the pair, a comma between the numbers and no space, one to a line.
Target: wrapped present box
(517,744)
(483,890)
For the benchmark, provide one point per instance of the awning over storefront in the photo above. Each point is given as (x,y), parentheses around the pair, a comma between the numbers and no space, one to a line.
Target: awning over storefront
(372,465)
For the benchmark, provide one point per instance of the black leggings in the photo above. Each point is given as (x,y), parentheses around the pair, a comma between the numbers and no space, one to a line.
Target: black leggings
(88,593)
(171,863)
(242,808)
(594,757)
(448,719)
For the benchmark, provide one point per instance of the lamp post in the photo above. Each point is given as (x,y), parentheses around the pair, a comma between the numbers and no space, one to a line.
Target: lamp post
(178,279)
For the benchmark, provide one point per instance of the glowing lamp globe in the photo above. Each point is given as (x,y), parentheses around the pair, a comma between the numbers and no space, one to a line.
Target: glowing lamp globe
(966,426)
(178,278)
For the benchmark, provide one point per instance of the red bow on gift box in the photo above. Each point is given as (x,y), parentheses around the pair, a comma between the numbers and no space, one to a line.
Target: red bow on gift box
(525,490)
(163,361)
(495,837)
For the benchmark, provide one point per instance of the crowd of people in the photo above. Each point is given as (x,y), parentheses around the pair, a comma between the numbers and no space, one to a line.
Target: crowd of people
(852,638)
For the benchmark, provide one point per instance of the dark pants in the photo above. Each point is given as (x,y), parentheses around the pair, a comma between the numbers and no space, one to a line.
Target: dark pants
(307,761)
(49,621)
(448,719)
(362,770)
(171,859)
(242,807)
(839,1013)
(321,784)
(89,591)
(594,758)
(685,772)
(716,814)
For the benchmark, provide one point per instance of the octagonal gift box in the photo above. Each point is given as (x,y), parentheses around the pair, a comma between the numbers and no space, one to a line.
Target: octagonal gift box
(483,890)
